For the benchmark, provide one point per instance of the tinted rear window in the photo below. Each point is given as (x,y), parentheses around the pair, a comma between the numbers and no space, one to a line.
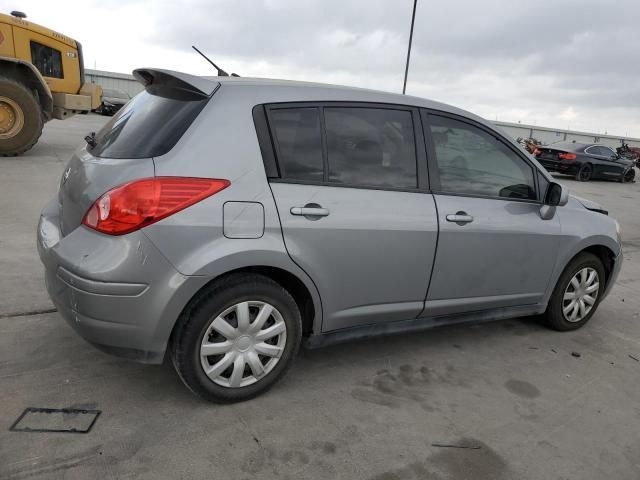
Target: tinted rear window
(371,147)
(148,126)
(297,131)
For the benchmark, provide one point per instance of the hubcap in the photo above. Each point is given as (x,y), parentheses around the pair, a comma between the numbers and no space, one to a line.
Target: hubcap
(580,295)
(243,344)
(11,118)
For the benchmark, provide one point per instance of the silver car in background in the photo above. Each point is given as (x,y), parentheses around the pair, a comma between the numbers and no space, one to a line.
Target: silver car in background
(226,221)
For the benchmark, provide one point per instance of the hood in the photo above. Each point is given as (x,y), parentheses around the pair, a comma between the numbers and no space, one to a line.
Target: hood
(589,205)
(625,161)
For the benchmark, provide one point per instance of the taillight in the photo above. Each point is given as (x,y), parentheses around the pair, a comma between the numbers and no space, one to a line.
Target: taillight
(567,156)
(536,152)
(136,204)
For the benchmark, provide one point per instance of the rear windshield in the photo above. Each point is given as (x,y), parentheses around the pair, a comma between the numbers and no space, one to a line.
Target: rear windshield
(148,126)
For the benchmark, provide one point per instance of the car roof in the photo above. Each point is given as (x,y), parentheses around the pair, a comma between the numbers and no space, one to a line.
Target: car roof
(575,146)
(299,91)
(313,91)
(569,146)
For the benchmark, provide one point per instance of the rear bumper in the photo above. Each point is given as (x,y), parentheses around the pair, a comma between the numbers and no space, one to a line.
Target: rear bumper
(570,168)
(118,293)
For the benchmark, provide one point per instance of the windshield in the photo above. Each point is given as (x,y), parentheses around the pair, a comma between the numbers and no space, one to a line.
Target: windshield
(148,126)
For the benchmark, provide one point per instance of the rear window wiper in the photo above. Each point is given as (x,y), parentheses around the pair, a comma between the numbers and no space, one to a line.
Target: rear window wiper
(91,139)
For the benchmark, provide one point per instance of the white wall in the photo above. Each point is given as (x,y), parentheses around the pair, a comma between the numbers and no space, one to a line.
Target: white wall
(120,81)
(548,135)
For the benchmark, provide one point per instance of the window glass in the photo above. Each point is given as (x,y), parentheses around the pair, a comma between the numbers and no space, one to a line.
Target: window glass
(607,152)
(47,60)
(371,147)
(470,161)
(297,132)
(595,150)
(148,126)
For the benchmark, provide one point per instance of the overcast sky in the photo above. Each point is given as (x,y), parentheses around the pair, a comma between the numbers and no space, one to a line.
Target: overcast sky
(558,63)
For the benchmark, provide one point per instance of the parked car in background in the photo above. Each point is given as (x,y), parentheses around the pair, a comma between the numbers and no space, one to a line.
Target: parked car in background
(112,101)
(585,161)
(226,221)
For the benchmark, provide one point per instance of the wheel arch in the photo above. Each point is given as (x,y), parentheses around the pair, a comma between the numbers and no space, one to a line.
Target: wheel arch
(602,246)
(303,294)
(606,256)
(27,74)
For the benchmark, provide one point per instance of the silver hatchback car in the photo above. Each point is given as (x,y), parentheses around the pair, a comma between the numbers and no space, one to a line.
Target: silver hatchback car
(226,221)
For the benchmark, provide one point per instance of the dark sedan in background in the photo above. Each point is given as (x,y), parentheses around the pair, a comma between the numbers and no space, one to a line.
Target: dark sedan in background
(585,161)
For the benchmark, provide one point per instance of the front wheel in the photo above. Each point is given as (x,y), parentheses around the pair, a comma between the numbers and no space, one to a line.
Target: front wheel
(577,293)
(629,175)
(238,339)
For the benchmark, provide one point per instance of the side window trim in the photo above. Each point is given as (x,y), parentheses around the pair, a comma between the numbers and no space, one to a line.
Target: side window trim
(592,153)
(418,131)
(433,166)
(267,149)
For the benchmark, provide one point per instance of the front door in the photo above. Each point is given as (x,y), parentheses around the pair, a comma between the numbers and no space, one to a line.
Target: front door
(494,248)
(353,213)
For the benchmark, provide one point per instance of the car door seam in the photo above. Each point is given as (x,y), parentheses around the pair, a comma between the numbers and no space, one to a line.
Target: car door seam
(435,255)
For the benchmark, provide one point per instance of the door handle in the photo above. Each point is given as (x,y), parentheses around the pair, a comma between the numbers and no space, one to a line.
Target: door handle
(461,218)
(310,211)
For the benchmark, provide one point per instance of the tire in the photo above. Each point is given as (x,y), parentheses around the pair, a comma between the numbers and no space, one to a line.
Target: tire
(585,173)
(554,315)
(19,102)
(629,176)
(197,319)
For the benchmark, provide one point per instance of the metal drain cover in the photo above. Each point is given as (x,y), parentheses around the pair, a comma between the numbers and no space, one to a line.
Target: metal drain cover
(60,420)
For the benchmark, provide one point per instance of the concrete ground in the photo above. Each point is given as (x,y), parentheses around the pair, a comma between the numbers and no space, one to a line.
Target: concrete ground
(512,391)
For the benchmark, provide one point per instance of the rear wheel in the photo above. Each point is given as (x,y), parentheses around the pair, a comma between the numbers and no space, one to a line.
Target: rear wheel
(629,175)
(21,119)
(577,293)
(585,172)
(238,339)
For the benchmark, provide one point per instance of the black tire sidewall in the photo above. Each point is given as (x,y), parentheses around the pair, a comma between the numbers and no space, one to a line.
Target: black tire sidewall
(554,312)
(33,120)
(187,355)
(584,167)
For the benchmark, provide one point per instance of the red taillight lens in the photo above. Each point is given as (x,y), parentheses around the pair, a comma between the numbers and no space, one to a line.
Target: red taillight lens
(536,152)
(567,156)
(140,203)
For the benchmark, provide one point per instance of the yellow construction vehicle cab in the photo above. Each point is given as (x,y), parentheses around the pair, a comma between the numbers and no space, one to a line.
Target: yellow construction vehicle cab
(41,77)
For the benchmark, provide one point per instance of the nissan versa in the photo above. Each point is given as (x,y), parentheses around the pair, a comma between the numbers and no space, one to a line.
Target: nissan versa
(226,221)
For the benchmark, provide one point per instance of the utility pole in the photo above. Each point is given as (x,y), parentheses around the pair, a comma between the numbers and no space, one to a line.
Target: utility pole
(406,69)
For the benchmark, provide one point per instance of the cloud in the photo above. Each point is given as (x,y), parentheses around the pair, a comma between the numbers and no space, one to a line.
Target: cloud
(515,60)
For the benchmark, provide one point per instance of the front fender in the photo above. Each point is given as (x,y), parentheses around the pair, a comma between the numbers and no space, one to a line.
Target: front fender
(581,229)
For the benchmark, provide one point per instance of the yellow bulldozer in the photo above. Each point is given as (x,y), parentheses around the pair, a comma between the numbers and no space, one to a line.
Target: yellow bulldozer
(41,77)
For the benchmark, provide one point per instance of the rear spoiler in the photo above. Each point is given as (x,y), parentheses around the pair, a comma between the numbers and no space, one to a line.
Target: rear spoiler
(167,83)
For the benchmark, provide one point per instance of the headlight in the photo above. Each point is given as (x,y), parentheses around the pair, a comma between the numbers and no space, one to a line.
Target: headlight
(619,232)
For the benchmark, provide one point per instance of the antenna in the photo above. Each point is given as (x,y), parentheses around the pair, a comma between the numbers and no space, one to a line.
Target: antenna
(406,69)
(221,73)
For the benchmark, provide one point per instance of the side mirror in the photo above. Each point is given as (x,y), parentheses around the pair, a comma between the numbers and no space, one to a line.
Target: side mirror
(557,195)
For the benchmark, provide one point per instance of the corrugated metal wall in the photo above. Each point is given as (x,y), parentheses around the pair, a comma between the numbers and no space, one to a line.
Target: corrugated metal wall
(549,135)
(120,81)
(546,135)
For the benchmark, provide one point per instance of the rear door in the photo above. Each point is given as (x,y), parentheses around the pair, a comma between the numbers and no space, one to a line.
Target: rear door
(494,249)
(355,213)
